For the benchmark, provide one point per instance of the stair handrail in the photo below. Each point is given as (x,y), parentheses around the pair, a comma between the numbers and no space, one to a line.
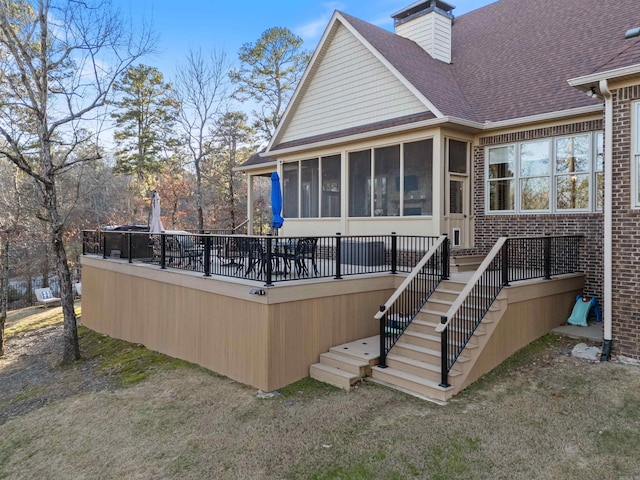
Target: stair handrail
(396,326)
(405,283)
(510,259)
(462,296)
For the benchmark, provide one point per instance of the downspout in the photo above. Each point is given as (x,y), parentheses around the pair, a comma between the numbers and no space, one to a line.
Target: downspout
(608,217)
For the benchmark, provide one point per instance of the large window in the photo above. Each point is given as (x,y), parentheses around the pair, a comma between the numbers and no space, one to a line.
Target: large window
(391,181)
(547,175)
(312,186)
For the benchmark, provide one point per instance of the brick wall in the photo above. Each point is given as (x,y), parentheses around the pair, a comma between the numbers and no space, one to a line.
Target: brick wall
(626,232)
(489,227)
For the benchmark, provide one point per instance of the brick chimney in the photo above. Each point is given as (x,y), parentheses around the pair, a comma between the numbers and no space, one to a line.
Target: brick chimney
(428,23)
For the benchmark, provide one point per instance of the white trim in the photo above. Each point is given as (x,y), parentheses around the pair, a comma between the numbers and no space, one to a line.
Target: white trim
(635,154)
(543,117)
(594,78)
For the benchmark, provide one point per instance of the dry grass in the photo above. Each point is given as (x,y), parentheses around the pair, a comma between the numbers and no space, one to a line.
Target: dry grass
(541,415)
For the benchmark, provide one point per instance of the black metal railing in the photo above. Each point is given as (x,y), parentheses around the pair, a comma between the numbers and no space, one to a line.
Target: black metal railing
(405,303)
(263,258)
(511,259)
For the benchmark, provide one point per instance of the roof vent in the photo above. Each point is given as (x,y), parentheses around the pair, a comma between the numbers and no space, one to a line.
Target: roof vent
(632,32)
(428,23)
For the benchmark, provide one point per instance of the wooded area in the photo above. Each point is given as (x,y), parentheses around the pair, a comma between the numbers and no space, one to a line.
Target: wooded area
(88,131)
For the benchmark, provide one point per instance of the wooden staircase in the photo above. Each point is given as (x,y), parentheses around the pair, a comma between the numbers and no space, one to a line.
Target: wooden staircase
(414,362)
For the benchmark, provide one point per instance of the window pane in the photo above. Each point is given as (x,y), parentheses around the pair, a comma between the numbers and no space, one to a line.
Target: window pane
(360,184)
(534,193)
(309,188)
(599,152)
(502,162)
(501,195)
(456,196)
(600,190)
(418,175)
(572,154)
(572,191)
(331,186)
(457,156)
(386,190)
(534,158)
(290,190)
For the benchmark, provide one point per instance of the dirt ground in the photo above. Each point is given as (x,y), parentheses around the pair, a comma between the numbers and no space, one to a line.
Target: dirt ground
(543,414)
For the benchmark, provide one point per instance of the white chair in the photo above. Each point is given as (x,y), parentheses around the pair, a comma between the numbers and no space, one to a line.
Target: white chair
(77,290)
(46,298)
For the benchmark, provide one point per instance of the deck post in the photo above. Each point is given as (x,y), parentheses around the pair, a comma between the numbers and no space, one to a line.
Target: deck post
(104,245)
(505,264)
(394,252)
(338,256)
(129,246)
(163,252)
(446,263)
(547,257)
(383,346)
(444,354)
(268,266)
(207,256)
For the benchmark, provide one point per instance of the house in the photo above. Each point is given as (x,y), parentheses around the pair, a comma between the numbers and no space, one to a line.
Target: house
(519,118)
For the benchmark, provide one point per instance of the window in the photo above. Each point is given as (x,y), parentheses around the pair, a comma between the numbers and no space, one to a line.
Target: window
(546,175)
(331,186)
(502,173)
(302,195)
(391,181)
(360,184)
(635,150)
(290,190)
(309,188)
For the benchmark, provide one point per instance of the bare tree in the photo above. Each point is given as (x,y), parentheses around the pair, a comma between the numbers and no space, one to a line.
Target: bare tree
(10,206)
(202,89)
(59,60)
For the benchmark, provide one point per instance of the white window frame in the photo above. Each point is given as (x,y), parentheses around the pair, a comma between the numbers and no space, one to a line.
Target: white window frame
(635,154)
(553,208)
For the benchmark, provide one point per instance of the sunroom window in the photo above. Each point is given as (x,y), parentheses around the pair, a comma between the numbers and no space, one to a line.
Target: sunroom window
(312,187)
(534,175)
(391,181)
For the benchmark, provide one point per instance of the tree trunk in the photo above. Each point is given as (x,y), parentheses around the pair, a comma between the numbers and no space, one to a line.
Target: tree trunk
(4,290)
(199,196)
(71,347)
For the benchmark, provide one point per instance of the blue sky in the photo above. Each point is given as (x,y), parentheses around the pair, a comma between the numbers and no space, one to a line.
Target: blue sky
(226,24)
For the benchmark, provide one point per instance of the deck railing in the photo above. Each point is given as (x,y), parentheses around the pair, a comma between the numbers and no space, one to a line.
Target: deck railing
(511,259)
(268,259)
(405,303)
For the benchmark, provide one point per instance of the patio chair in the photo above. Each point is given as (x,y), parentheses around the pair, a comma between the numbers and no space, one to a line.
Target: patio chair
(46,298)
(183,251)
(252,250)
(305,250)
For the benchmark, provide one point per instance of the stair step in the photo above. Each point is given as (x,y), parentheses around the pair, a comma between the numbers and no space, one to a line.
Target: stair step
(429,327)
(418,368)
(427,355)
(412,384)
(333,376)
(348,364)
(432,340)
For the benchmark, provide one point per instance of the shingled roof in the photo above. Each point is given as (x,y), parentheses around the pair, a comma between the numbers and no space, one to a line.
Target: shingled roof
(511,59)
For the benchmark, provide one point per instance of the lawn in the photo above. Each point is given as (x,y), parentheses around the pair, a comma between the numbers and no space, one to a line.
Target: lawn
(542,414)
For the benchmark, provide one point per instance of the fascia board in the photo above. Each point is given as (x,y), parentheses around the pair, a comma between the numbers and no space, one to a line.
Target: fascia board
(542,117)
(255,167)
(586,81)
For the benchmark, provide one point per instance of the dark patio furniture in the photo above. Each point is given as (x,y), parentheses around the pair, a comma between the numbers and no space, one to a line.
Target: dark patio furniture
(305,250)
(182,249)
(253,252)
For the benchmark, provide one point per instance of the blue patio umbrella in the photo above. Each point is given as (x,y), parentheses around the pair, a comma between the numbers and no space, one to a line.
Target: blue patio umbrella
(276,201)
